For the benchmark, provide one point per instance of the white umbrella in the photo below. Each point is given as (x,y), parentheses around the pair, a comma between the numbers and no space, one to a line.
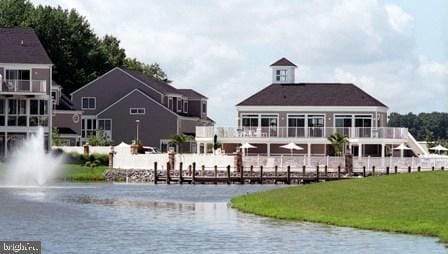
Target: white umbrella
(439,148)
(246,146)
(402,147)
(291,146)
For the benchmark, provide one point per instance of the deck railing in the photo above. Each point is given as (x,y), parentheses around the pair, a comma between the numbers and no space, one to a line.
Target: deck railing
(24,86)
(301,132)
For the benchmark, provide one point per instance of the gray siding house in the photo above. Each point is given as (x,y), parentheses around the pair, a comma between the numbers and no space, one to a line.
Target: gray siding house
(125,104)
(307,114)
(25,86)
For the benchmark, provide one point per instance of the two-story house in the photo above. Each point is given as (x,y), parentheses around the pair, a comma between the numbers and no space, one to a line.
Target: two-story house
(307,114)
(25,85)
(128,105)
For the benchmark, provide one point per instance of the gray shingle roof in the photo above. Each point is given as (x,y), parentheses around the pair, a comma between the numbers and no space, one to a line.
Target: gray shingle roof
(311,94)
(191,94)
(160,86)
(283,62)
(13,51)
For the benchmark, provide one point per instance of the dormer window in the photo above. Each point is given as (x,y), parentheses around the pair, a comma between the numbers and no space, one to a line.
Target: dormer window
(185,106)
(179,105)
(281,75)
(170,103)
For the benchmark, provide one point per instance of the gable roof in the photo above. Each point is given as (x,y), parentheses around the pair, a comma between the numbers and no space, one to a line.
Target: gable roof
(12,50)
(136,90)
(283,62)
(312,94)
(191,94)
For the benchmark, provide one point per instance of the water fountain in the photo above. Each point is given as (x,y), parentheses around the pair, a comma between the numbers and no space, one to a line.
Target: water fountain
(30,164)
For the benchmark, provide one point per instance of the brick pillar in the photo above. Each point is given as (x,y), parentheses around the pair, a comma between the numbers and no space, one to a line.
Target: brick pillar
(238,160)
(172,159)
(86,149)
(349,163)
(134,149)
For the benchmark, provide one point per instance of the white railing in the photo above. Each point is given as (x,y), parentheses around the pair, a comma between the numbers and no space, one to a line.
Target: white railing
(298,161)
(22,86)
(301,132)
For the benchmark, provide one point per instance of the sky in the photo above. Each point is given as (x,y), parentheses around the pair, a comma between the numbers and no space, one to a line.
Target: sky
(396,50)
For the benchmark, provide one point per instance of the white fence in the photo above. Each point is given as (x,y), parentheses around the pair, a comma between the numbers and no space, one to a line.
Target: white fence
(125,160)
(297,162)
(80,149)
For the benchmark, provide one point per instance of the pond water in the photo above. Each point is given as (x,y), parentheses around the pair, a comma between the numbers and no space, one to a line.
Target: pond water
(118,218)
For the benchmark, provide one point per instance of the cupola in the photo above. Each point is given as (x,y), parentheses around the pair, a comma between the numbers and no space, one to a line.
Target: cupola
(283,71)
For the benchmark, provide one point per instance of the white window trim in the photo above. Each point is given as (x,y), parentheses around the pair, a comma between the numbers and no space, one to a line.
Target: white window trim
(106,119)
(170,102)
(179,105)
(185,106)
(82,106)
(137,113)
(202,107)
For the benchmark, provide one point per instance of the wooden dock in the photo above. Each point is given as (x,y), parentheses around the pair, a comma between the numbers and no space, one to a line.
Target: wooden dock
(192,175)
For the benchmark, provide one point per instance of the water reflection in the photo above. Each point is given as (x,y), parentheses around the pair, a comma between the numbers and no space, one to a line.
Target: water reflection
(175,219)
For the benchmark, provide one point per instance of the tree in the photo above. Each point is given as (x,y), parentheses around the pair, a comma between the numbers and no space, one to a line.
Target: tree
(152,70)
(55,137)
(338,141)
(78,54)
(99,139)
(179,140)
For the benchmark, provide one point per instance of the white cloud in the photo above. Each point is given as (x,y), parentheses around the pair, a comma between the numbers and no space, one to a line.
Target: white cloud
(223,48)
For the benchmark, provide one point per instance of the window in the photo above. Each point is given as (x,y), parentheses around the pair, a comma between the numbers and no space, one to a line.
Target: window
(2,112)
(16,112)
(280,75)
(18,80)
(88,127)
(343,123)
(88,103)
(316,125)
(185,106)
(53,97)
(363,124)
(106,126)
(38,113)
(204,107)
(170,103)
(179,105)
(269,124)
(250,121)
(137,111)
(296,126)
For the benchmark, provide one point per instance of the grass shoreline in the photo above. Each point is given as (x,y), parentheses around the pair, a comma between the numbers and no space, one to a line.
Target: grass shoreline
(78,173)
(406,203)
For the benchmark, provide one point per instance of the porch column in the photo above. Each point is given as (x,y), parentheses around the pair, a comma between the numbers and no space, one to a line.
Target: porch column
(383,150)
(309,150)
(360,151)
(268,145)
(198,147)
(205,148)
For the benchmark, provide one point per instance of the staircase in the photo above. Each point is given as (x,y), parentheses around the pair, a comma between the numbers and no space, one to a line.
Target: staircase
(416,147)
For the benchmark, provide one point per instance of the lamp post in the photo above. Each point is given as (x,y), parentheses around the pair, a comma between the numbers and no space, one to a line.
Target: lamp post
(136,141)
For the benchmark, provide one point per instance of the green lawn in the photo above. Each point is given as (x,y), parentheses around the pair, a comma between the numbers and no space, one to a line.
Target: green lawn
(414,203)
(74,172)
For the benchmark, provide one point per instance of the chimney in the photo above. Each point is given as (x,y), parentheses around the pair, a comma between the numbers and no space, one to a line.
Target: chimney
(283,71)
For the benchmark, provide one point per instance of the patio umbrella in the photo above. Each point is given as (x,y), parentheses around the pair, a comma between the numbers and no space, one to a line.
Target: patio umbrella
(291,146)
(439,148)
(402,147)
(247,146)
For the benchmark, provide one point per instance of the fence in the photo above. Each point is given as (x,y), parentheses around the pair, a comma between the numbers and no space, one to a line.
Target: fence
(124,160)
(332,163)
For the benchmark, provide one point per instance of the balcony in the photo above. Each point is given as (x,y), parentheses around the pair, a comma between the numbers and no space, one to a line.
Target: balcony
(15,86)
(207,132)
